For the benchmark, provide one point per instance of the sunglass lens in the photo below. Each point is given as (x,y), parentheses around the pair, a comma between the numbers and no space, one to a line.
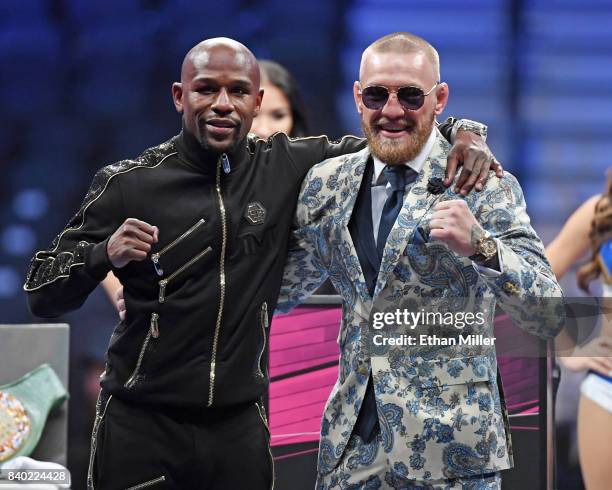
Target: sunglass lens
(412,98)
(374,97)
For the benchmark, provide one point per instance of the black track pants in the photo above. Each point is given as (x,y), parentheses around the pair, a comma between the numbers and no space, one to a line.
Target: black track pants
(136,447)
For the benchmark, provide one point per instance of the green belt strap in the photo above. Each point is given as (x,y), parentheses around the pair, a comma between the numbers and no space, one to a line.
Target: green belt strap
(24,407)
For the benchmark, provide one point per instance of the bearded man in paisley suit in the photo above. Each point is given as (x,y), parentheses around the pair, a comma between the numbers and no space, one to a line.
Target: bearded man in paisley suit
(381,226)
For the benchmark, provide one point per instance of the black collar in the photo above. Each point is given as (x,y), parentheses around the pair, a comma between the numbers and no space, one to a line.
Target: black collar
(190,151)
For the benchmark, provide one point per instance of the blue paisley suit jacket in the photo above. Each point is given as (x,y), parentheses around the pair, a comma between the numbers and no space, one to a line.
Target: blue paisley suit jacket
(440,411)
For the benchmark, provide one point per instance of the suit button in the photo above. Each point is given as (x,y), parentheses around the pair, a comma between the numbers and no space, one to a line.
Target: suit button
(510,288)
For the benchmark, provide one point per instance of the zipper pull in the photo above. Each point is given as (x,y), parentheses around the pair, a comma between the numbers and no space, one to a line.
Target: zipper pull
(265,415)
(158,269)
(162,290)
(264,313)
(226,163)
(154,325)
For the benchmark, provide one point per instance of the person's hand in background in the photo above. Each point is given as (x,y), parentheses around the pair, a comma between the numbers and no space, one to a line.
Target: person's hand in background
(120,303)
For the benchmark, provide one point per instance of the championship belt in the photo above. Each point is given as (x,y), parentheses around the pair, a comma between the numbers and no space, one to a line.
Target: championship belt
(24,407)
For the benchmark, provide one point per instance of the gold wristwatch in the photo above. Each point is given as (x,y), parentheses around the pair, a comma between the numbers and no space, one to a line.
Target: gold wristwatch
(486,248)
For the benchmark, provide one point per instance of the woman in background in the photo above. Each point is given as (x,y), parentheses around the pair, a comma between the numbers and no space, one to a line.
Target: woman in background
(588,228)
(282,109)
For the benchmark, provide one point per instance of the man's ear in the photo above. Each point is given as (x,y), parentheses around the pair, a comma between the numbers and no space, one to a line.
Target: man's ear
(441,98)
(357,96)
(259,99)
(177,96)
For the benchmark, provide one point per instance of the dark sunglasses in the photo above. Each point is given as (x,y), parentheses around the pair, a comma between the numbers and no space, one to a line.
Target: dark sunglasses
(411,98)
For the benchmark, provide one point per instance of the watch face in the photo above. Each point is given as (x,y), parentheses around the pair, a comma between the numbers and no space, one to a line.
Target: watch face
(488,247)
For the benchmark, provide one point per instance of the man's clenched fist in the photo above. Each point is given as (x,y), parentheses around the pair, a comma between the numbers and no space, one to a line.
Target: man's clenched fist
(454,224)
(131,241)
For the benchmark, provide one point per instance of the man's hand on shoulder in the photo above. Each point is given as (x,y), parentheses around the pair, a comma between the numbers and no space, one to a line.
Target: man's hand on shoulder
(131,241)
(472,153)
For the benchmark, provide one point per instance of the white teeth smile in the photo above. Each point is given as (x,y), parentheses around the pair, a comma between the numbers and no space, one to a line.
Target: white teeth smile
(394,130)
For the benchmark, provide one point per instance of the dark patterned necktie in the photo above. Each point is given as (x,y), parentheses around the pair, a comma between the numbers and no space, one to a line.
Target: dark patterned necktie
(398,176)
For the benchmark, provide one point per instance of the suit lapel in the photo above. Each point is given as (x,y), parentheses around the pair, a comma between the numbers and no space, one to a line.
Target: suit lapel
(362,211)
(417,203)
(354,173)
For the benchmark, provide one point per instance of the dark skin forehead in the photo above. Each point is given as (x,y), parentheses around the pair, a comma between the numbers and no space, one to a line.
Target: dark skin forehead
(220,57)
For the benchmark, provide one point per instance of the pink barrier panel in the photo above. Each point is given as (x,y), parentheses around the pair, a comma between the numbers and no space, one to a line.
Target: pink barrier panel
(303,339)
(519,374)
(296,406)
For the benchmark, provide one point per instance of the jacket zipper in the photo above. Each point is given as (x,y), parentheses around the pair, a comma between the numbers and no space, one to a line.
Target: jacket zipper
(152,332)
(213,357)
(148,483)
(154,325)
(262,414)
(155,257)
(263,320)
(164,282)
(100,413)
